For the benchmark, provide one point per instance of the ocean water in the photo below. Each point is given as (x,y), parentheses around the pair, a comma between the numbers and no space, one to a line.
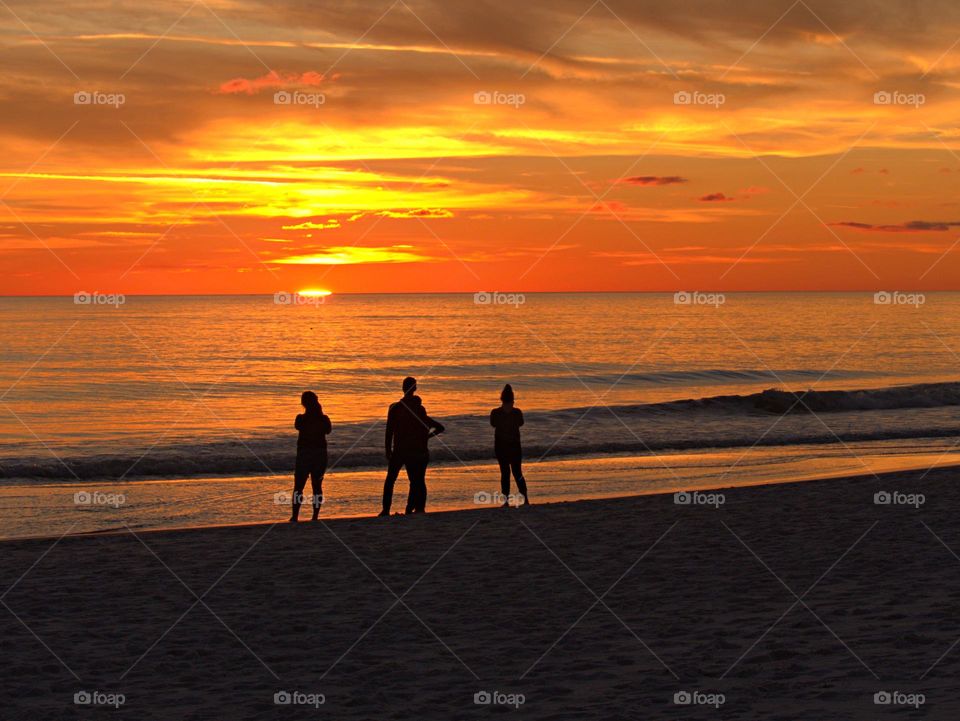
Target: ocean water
(180,388)
(160,412)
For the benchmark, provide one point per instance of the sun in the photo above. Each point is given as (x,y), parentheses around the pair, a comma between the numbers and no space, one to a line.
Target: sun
(315,293)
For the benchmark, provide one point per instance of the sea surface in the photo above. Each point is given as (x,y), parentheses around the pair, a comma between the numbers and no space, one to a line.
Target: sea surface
(178,391)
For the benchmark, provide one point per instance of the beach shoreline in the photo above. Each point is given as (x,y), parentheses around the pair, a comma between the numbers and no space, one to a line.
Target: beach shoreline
(48,510)
(836,475)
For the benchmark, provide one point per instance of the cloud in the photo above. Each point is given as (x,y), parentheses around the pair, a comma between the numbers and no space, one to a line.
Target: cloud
(419,213)
(357,255)
(310,225)
(653,180)
(408,213)
(273,79)
(10,243)
(617,210)
(860,171)
(641,258)
(392,140)
(913,226)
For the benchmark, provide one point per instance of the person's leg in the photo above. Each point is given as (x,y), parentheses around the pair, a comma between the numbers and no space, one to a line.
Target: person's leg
(422,507)
(517,466)
(413,494)
(300,474)
(316,480)
(504,478)
(393,470)
(418,483)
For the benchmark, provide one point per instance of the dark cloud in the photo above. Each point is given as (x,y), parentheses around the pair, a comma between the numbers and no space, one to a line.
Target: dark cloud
(653,180)
(535,26)
(715,197)
(913,226)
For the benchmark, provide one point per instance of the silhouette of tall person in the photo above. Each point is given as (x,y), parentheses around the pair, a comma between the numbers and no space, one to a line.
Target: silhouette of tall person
(408,430)
(506,421)
(313,426)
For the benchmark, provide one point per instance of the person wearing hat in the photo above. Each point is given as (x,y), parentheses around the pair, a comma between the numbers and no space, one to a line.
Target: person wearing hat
(506,421)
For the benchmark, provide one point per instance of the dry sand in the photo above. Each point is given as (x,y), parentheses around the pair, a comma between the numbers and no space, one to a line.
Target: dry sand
(798,601)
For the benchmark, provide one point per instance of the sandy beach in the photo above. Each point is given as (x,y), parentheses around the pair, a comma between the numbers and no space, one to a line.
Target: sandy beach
(792,601)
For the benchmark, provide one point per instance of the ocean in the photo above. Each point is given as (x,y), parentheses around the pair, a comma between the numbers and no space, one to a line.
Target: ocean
(152,395)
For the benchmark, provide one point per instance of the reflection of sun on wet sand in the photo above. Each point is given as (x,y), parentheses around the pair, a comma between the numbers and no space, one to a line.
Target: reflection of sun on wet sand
(32,508)
(807,596)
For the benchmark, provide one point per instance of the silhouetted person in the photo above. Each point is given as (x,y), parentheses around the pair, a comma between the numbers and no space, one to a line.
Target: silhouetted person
(506,421)
(408,430)
(311,453)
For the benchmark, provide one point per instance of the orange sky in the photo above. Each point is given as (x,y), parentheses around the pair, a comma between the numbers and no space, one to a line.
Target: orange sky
(386,171)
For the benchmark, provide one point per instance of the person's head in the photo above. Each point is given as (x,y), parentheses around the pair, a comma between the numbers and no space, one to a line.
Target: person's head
(309,400)
(409,385)
(506,395)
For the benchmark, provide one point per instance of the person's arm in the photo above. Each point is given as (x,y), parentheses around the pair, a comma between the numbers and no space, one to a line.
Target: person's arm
(298,424)
(388,439)
(493,418)
(520,414)
(437,426)
(327,425)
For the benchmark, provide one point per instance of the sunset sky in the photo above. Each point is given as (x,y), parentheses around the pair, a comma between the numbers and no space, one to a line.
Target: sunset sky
(819,149)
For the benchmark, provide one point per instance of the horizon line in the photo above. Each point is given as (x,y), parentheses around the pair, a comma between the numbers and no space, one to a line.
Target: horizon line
(471,292)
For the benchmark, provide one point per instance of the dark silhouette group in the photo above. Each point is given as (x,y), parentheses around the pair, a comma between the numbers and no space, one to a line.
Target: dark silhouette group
(408,432)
